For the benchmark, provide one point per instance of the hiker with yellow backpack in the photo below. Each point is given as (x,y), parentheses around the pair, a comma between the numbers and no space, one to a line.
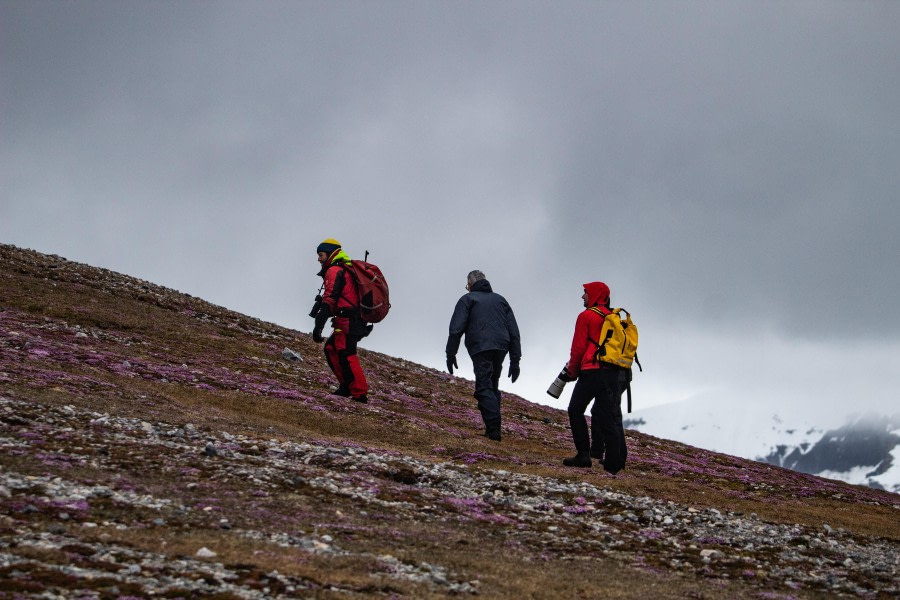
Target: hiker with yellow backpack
(603,349)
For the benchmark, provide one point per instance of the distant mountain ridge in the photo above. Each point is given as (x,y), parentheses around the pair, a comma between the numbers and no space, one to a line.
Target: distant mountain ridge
(862,450)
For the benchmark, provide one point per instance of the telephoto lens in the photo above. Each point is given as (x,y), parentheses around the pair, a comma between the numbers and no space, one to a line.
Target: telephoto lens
(556,388)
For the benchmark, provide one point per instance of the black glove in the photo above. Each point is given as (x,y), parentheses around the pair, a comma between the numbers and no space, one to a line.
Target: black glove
(564,375)
(451,362)
(514,370)
(317,335)
(322,317)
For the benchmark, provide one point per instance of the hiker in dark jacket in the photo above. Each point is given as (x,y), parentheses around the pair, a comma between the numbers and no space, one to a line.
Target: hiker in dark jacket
(340,303)
(598,382)
(491,332)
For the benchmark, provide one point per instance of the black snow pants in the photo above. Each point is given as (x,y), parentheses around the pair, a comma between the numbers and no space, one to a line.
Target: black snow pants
(604,387)
(488,366)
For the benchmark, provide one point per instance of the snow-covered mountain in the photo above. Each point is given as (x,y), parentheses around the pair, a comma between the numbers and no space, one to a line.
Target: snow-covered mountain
(859,449)
(865,451)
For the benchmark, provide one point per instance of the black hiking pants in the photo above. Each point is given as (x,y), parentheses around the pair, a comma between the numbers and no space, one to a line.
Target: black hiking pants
(604,387)
(488,366)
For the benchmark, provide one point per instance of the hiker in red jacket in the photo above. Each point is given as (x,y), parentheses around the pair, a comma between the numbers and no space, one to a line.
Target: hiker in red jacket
(340,302)
(598,382)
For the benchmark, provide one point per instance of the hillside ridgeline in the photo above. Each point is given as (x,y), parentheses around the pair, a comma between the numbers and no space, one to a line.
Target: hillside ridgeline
(156,444)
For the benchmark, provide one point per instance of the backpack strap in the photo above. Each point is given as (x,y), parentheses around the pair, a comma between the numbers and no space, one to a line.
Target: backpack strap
(628,386)
(596,309)
(340,281)
(600,345)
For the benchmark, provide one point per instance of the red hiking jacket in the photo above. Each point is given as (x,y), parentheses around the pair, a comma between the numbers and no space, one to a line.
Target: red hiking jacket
(587,328)
(340,291)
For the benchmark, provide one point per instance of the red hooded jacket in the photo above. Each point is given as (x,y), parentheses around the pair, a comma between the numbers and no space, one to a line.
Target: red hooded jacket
(587,328)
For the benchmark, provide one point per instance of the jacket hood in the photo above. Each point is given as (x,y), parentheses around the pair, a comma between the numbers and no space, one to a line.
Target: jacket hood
(338,256)
(598,293)
(482,285)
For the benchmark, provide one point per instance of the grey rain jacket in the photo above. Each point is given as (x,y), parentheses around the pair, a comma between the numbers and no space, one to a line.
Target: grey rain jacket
(488,322)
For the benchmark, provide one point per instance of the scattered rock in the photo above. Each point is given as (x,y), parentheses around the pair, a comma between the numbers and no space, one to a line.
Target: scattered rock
(290,355)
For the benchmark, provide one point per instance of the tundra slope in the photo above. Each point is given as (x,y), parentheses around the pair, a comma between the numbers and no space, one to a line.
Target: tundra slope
(154,444)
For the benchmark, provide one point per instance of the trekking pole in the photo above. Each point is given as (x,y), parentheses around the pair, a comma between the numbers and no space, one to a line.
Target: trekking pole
(366,259)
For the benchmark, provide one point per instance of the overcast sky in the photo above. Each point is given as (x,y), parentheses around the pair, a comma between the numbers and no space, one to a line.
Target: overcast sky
(730,169)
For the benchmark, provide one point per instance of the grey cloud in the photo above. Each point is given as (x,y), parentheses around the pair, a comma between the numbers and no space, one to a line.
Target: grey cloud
(733,159)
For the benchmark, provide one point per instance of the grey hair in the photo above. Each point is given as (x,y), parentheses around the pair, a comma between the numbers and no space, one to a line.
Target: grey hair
(474,276)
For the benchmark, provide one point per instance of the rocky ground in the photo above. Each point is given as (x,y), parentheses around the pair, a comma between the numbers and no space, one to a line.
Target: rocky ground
(59,528)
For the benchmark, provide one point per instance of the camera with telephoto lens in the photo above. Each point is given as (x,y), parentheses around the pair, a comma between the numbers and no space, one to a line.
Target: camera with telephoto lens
(556,388)
(316,306)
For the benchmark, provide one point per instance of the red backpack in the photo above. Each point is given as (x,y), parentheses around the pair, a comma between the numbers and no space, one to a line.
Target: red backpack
(372,287)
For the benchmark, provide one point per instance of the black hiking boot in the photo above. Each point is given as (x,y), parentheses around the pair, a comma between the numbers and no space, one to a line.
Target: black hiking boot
(613,471)
(598,454)
(492,430)
(360,399)
(341,390)
(582,459)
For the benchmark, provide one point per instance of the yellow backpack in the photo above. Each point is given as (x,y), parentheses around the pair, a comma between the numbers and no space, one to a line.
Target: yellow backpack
(618,339)
(618,342)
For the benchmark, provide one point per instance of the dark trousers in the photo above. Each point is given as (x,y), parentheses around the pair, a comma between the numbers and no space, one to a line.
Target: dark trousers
(488,366)
(604,387)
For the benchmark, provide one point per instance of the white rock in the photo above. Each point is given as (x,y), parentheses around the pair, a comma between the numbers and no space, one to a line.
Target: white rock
(289,354)
(205,553)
